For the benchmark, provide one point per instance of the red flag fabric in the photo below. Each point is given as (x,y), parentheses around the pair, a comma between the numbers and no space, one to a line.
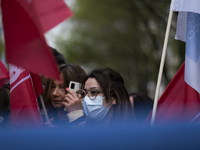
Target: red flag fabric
(4,74)
(37,84)
(179,103)
(24,23)
(25,113)
(50,12)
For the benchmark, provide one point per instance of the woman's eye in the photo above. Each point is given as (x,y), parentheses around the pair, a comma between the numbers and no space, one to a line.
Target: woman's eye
(82,95)
(93,93)
(53,86)
(62,88)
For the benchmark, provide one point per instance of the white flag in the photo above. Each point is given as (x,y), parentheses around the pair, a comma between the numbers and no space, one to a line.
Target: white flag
(185,5)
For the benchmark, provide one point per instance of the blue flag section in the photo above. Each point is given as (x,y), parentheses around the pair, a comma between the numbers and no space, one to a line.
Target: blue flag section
(115,138)
(193,36)
(192,61)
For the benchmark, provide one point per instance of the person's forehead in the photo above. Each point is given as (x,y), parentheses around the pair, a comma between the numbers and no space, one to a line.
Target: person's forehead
(57,81)
(91,82)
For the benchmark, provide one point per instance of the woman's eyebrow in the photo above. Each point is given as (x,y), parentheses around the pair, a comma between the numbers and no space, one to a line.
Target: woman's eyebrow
(92,88)
(95,88)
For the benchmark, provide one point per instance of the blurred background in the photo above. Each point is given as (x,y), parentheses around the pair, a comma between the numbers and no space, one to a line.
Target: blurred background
(127,36)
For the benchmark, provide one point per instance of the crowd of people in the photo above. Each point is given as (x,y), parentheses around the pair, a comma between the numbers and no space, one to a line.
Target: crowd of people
(102,99)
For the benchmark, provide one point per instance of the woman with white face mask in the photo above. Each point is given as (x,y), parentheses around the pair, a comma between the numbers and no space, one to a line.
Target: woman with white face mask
(104,98)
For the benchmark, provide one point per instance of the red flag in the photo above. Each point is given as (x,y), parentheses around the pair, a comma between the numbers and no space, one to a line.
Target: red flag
(25,111)
(24,23)
(37,84)
(50,12)
(4,74)
(179,103)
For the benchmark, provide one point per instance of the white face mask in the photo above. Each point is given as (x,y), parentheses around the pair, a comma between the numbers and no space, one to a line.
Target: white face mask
(94,109)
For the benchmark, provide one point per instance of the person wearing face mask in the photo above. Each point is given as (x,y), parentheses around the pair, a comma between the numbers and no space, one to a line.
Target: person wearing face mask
(105,100)
(56,97)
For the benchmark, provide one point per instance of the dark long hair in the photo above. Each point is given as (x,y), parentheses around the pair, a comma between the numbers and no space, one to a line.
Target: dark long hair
(112,85)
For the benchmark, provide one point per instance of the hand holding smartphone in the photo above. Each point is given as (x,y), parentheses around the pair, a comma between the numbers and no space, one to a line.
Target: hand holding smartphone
(73,86)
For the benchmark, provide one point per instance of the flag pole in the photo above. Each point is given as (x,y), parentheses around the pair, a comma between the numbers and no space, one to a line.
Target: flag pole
(161,67)
(44,108)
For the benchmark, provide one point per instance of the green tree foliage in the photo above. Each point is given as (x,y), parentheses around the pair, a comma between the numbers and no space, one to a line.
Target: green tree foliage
(1,48)
(126,35)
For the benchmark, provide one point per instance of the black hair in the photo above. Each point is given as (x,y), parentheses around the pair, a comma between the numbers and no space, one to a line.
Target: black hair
(60,59)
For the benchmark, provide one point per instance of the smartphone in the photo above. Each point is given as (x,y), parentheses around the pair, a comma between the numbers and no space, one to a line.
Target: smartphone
(74,86)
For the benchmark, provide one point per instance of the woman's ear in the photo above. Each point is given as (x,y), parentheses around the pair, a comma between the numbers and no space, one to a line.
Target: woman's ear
(113,101)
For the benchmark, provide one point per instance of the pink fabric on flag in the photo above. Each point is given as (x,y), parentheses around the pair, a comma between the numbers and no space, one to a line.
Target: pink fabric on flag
(4,74)
(179,103)
(25,113)
(24,23)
